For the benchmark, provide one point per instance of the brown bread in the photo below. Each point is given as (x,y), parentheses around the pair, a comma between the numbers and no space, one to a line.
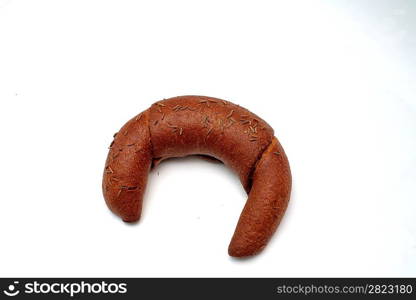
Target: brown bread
(189,125)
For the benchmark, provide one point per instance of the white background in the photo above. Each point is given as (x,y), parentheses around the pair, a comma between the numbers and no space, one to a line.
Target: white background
(336,80)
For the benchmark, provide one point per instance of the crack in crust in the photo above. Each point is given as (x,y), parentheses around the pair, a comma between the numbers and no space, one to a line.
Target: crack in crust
(253,168)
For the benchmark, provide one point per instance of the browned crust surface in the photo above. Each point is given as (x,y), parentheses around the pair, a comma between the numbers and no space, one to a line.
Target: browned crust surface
(266,204)
(188,125)
(127,167)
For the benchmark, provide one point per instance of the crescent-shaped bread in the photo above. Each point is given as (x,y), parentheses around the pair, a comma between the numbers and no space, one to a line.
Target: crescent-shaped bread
(189,125)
